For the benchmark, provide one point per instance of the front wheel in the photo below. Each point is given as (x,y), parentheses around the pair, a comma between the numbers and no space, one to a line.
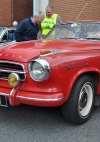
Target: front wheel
(78,107)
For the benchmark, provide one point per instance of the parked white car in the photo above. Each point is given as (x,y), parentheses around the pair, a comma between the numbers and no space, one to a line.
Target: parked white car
(7,34)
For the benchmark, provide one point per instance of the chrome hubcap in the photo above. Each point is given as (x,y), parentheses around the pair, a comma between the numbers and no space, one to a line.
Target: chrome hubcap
(85,99)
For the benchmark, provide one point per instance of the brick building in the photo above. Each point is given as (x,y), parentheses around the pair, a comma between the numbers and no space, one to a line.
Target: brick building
(16,10)
(70,9)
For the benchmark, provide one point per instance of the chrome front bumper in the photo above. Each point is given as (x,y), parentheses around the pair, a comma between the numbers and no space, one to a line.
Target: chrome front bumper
(16,97)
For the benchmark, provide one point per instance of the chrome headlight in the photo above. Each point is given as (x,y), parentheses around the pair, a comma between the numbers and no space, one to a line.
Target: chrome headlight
(39,69)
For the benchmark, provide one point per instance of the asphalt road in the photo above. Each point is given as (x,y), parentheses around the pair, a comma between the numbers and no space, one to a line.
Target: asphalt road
(36,124)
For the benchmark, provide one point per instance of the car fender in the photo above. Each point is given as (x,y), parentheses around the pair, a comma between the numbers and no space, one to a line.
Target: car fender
(75,76)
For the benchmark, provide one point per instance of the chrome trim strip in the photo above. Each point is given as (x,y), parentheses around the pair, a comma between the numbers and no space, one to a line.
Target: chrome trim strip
(10,95)
(3,78)
(13,63)
(4,94)
(12,71)
(40,99)
(7,79)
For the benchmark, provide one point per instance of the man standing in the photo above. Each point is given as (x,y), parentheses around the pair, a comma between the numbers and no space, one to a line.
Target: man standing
(49,21)
(29,28)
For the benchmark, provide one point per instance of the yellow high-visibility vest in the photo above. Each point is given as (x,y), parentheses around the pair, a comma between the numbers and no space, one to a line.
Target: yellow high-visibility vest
(48,23)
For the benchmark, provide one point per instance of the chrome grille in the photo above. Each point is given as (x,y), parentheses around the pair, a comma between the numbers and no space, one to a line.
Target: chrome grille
(6,68)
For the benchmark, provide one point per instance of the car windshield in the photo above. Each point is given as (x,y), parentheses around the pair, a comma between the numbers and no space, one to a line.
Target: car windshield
(76,30)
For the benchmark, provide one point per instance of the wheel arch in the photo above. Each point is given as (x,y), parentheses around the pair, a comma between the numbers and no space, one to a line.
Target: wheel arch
(93,74)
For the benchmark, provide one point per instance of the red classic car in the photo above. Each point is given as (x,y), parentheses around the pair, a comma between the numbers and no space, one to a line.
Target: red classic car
(61,70)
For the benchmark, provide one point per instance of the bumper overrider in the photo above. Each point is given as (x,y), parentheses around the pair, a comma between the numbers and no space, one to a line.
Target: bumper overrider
(15,96)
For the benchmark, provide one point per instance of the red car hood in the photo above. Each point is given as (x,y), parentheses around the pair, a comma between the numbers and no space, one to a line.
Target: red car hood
(25,51)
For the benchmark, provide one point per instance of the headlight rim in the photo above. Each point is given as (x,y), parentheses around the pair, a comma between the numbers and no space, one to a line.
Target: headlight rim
(45,66)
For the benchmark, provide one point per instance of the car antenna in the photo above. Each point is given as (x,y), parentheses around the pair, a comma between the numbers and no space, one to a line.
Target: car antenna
(82,10)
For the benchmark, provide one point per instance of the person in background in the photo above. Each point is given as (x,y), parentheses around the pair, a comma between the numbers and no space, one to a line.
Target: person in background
(49,21)
(15,24)
(29,28)
(11,36)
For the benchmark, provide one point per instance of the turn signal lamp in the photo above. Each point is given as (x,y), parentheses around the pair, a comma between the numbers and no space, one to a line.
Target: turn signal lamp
(13,79)
(45,52)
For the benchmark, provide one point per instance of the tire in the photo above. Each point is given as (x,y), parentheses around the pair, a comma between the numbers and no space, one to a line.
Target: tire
(77,109)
